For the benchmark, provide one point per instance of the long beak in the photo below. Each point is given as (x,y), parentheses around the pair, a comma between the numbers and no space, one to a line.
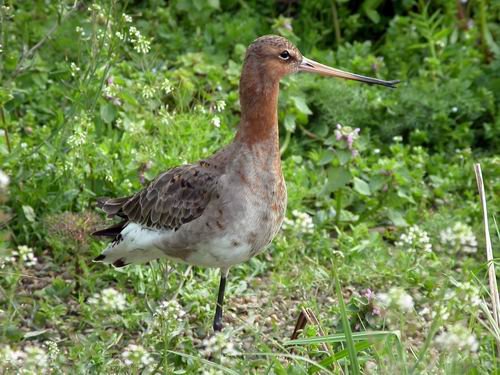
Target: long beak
(312,66)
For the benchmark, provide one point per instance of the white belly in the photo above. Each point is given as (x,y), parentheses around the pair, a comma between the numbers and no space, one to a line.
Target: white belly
(221,252)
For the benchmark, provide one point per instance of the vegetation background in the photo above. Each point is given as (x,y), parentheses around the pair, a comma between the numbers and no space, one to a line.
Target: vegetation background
(98,97)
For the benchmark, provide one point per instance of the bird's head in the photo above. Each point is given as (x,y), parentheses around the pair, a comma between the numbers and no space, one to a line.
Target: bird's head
(276,57)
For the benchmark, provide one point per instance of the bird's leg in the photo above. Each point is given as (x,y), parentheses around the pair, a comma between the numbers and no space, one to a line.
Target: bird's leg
(220,301)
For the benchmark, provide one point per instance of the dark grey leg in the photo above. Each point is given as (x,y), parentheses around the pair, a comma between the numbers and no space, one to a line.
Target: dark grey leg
(220,302)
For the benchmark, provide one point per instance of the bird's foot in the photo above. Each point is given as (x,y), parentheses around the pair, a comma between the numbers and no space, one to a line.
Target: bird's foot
(218,325)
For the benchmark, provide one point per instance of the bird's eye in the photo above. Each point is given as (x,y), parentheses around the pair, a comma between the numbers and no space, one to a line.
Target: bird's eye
(285,55)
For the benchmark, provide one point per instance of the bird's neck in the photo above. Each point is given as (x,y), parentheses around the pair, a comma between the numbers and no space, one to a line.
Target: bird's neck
(259,109)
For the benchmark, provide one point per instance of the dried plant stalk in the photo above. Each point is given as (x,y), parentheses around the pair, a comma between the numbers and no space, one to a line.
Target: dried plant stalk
(495,299)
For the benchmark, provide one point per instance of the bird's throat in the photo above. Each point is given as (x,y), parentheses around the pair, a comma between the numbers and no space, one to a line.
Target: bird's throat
(259,108)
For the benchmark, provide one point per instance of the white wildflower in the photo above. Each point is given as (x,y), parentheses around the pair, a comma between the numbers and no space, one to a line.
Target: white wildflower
(74,69)
(80,31)
(10,357)
(36,359)
(216,121)
(397,139)
(458,238)
(127,18)
(165,116)
(109,299)
(457,338)
(219,344)
(302,222)
(4,180)
(415,240)
(139,42)
(220,105)
(148,92)
(166,86)
(136,355)
(77,138)
(200,109)
(465,295)
(52,349)
(396,298)
(120,35)
(26,255)
(169,310)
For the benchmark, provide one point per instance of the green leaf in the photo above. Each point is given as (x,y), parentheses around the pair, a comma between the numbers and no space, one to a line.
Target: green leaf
(373,15)
(108,113)
(214,4)
(29,213)
(290,123)
(361,186)
(29,335)
(338,177)
(301,105)
(326,157)
(397,218)
(344,156)
(377,181)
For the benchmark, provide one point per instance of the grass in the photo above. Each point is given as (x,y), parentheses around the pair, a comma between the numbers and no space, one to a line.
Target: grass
(384,248)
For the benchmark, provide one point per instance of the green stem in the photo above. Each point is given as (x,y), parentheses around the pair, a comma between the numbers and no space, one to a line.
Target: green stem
(286,142)
(338,206)
(336,24)
(483,30)
(6,131)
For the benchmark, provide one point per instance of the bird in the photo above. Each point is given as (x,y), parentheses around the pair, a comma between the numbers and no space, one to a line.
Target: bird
(225,209)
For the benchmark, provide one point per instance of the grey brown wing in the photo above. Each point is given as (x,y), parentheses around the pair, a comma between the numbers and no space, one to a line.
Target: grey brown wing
(176,197)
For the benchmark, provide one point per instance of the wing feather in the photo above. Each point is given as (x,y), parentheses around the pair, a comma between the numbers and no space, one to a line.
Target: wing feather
(174,198)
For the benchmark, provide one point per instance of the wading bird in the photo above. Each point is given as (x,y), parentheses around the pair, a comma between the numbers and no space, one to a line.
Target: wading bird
(227,208)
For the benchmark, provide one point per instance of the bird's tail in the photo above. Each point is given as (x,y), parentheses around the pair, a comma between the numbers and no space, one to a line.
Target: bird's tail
(132,244)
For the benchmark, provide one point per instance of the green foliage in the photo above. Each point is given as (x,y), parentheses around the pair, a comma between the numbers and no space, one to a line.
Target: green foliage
(98,98)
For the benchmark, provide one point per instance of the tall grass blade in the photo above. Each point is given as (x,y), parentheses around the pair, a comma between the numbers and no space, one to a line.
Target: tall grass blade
(353,354)
(495,298)
(340,337)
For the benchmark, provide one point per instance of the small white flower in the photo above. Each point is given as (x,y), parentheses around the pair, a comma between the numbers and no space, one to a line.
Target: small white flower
(4,180)
(52,349)
(136,355)
(458,238)
(77,138)
(109,299)
(219,344)
(415,240)
(302,222)
(120,35)
(457,338)
(27,256)
(139,42)
(169,310)
(396,298)
(36,358)
(148,92)
(127,18)
(12,357)
(166,86)
(216,121)
(74,69)
(397,139)
(220,105)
